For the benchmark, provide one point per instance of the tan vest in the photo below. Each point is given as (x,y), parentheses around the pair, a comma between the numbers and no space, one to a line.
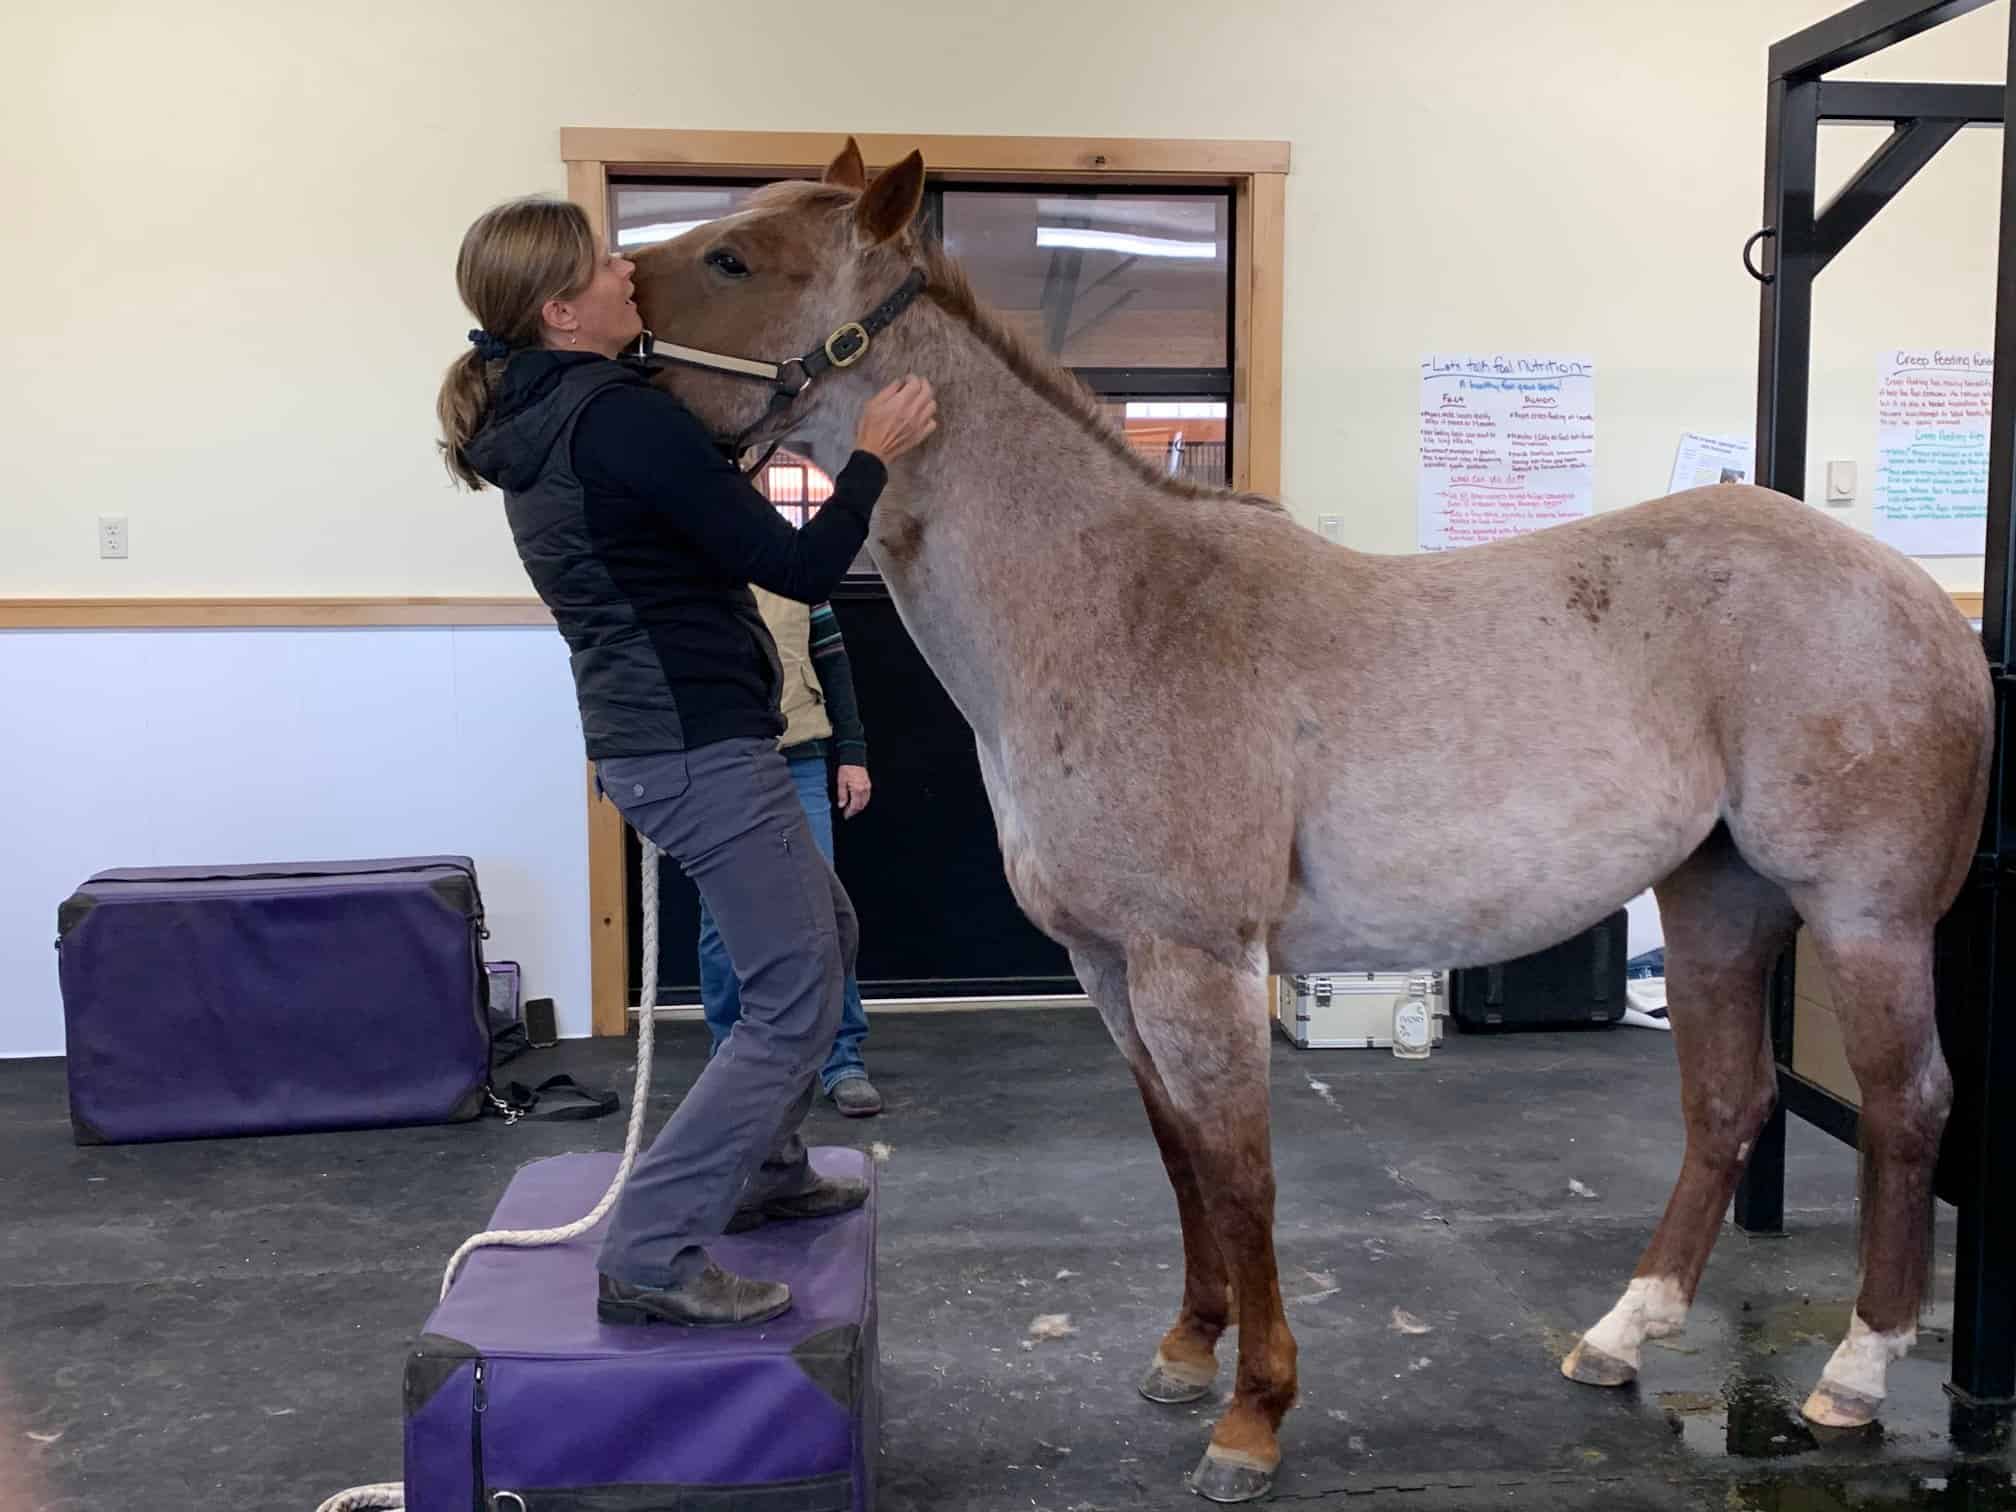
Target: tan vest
(802,701)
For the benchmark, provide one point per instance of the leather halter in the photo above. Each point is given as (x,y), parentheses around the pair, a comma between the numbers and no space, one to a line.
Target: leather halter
(794,375)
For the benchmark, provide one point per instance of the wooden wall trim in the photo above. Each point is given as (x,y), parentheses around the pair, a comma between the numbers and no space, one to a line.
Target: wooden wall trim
(1261,230)
(588,187)
(264,613)
(608,916)
(614,148)
(1263,460)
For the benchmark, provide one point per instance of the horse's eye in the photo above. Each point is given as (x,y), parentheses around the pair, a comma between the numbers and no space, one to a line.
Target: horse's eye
(726,263)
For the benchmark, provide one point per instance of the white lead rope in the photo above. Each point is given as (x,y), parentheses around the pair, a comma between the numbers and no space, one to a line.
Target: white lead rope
(390,1496)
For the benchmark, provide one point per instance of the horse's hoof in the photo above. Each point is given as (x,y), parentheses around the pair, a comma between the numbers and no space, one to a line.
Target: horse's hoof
(1833,1406)
(1227,1477)
(1592,1367)
(1172,1382)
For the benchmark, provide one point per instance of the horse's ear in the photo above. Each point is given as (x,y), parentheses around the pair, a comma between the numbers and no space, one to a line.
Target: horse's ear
(890,204)
(847,170)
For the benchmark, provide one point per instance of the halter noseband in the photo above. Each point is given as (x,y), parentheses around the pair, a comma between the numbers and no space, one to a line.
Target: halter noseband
(794,375)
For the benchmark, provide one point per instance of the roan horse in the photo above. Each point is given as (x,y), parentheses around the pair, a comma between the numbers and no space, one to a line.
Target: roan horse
(1199,729)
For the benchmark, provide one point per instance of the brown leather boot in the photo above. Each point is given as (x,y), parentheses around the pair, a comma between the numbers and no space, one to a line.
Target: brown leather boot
(713,1299)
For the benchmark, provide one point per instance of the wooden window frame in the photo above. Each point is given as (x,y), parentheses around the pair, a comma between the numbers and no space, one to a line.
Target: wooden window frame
(1255,172)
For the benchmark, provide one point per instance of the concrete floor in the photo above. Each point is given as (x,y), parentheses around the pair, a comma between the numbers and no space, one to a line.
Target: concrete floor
(223,1324)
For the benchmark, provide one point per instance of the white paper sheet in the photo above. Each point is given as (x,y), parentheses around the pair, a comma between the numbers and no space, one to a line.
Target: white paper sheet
(1704,459)
(1932,450)
(1508,445)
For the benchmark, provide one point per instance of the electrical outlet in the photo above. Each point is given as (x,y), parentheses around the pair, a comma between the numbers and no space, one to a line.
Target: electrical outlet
(112,537)
(1331,528)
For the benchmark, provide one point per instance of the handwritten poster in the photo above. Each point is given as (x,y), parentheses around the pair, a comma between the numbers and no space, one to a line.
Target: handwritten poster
(1702,460)
(1508,445)
(1932,450)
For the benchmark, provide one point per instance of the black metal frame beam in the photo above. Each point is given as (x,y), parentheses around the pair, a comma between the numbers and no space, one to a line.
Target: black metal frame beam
(1976,967)
(1911,145)
(1849,100)
(1155,383)
(1857,32)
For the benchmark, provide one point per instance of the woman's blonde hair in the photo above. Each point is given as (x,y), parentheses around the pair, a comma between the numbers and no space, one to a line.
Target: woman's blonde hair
(513,259)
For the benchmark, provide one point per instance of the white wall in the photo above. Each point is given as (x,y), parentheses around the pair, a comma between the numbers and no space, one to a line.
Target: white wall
(228,259)
(232,229)
(173,748)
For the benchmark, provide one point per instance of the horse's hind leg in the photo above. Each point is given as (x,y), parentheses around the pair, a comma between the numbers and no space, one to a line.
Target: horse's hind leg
(1725,925)
(1204,1021)
(1881,979)
(1186,1362)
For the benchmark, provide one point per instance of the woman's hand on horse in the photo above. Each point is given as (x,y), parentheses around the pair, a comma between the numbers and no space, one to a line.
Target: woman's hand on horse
(897,419)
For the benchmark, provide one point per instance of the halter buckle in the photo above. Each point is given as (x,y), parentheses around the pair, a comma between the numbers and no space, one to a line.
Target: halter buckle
(853,329)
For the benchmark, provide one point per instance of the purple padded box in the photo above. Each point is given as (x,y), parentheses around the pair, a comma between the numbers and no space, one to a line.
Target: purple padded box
(518,1399)
(273,998)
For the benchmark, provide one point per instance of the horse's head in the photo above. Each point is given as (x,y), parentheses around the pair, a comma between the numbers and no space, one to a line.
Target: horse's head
(773,282)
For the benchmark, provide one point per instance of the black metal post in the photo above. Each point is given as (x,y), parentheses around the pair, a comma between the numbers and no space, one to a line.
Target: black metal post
(1997,609)
(1980,1021)
(1785,325)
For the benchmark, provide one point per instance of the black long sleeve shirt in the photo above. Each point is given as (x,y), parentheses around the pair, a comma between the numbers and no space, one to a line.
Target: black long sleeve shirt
(682,534)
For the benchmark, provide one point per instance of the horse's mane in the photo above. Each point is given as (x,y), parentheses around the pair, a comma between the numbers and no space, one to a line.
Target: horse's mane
(951,291)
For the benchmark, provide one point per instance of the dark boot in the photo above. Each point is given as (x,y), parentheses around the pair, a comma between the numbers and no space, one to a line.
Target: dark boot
(713,1299)
(856,1097)
(825,1198)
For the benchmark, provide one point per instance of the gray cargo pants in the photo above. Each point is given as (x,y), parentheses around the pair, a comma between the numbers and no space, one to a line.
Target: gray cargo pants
(729,815)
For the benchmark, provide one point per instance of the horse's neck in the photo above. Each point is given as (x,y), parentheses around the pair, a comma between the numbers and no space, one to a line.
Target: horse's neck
(973,525)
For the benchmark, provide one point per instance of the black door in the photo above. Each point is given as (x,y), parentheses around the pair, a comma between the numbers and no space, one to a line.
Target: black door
(922,863)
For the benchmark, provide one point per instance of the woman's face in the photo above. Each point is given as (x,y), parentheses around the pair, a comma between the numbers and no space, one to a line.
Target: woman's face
(601,318)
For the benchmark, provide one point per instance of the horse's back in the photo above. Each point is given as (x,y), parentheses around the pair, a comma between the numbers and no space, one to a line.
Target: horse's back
(1580,707)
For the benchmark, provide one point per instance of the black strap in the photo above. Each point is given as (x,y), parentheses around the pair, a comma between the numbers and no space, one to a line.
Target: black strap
(519,1101)
(838,350)
(846,343)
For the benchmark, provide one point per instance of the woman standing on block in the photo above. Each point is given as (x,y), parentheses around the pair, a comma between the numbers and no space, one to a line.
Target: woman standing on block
(643,541)
(821,718)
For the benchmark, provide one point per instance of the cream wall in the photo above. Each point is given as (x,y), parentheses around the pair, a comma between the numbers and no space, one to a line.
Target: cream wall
(231,230)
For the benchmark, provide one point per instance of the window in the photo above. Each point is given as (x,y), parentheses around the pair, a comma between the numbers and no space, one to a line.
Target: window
(1187,436)
(640,214)
(1130,289)
(1109,284)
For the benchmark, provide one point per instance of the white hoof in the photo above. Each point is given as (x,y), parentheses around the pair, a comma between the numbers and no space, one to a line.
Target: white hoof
(1852,1387)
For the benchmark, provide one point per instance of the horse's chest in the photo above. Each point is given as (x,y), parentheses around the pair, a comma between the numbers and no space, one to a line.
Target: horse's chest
(1028,850)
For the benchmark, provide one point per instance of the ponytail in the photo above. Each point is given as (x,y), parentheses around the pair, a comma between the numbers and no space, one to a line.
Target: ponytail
(513,259)
(462,407)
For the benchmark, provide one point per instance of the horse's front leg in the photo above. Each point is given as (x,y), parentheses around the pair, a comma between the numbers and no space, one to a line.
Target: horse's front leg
(1203,1020)
(1186,1362)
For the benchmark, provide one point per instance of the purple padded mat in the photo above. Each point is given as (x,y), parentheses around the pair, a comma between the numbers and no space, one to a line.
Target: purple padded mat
(780,1416)
(269,998)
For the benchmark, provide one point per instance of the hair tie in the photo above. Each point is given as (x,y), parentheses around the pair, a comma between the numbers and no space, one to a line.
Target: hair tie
(489,348)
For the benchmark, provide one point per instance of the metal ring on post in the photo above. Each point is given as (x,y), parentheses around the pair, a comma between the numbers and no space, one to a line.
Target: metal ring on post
(1767,234)
(497,1501)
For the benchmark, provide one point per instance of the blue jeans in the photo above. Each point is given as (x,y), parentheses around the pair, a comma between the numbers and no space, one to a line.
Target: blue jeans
(720,993)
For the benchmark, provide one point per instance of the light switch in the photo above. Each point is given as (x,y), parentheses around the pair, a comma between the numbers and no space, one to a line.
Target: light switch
(1840,482)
